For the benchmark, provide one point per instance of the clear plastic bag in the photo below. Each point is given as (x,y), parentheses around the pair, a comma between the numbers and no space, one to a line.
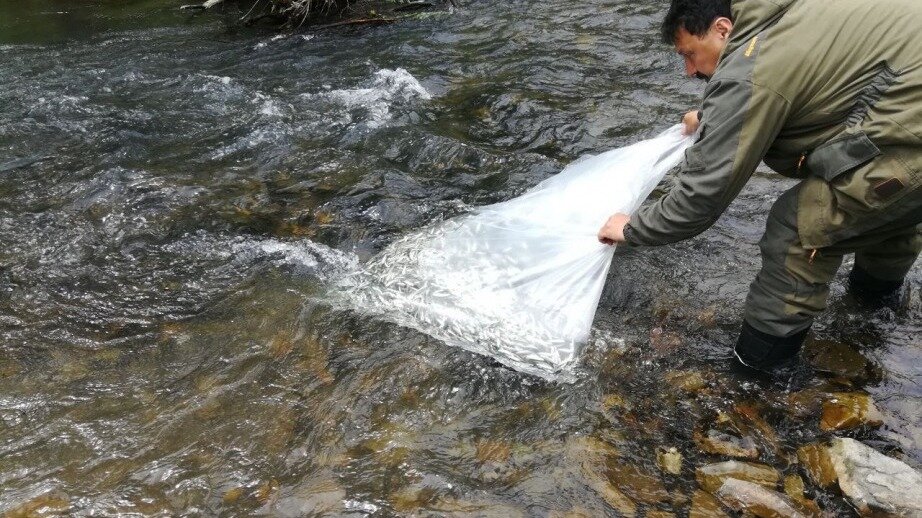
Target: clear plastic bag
(520,280)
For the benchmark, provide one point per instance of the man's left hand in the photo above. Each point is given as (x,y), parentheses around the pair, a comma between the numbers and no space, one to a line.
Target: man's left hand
(612,231)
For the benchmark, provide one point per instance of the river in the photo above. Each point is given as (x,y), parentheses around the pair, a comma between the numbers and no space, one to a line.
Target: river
(175,192)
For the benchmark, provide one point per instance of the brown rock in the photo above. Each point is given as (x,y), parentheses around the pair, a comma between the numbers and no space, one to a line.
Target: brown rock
(752,414)
(747,497)
(688,381)
(669,460)
(637,484)
(493,451)
(837,359)
(266,490)
(712,476)
(615,401)
(847,410)
(805,403)
(720,443)
(576,512)
(794,488)
(708,317)
(705,506)
(664,342)
(48,504)
(608,492)
(815,460)
(231,496)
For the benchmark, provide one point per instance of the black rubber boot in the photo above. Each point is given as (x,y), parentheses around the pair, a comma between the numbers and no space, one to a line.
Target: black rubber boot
(764,352)
(872,291)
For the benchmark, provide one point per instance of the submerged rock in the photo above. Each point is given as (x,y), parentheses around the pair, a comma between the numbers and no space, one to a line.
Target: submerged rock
(794,488)
(48,504)
(592,456)
(750,498)
(705,506)
(687,381)
(669,460)
(720,443)
(844,411)
(837,359)
(712,476)
(664,342)
(875,482)
(320,496)
(815,460)
(636,483)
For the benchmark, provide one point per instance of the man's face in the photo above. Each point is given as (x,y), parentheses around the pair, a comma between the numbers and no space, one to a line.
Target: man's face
(701,53)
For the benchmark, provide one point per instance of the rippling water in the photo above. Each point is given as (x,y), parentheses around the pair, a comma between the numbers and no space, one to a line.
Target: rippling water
(173,196)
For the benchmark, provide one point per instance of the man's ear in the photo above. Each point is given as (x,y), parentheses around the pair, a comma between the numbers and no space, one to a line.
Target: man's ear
(722,26)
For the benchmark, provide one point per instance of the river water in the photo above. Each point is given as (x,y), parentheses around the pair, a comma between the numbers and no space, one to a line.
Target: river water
(174,194)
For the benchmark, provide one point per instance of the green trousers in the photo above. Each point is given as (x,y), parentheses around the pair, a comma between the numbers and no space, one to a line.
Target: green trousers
(793,284)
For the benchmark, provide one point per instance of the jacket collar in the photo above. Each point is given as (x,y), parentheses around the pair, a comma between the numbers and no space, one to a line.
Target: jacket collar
(751,17)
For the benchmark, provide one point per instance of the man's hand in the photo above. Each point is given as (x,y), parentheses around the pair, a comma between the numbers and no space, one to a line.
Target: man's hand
(613,230)
(690,122)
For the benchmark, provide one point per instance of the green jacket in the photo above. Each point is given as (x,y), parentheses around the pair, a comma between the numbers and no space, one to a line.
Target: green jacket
(826,91)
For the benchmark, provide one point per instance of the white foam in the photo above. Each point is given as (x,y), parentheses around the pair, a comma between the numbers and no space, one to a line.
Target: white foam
(387,88)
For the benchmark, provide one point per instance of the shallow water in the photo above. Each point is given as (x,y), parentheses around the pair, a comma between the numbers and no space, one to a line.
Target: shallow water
(174,194)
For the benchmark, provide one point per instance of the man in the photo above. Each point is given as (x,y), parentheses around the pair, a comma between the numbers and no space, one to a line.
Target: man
(827,92)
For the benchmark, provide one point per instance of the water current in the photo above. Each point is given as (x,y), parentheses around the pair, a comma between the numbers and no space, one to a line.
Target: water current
(175,193)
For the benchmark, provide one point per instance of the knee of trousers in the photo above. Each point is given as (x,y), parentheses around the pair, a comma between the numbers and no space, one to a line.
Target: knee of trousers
(790,289)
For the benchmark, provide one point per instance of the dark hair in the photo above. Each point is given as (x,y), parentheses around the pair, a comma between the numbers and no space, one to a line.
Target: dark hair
(695,16)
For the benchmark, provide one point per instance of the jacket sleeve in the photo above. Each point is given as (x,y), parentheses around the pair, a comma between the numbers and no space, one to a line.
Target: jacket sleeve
(741,121)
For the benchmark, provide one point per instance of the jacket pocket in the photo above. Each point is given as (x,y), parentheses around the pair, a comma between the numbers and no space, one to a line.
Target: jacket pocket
(693,160)
(841,155)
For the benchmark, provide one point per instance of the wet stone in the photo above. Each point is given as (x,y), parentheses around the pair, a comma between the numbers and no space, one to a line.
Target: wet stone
(794,488)
(669,460)
(232,496)
(49,504)
(576,512)
(720,443)
(266,490)
(753,416)
(592,456)
(493,451)
(323,496)
(848,410)
(874,482)
(704,505)
(804,403)
(615,402)
(664,342)
(837,359)
(410,499)
(280,346)
(687,381)
(637,484)
(750,498)
(708,317)
(815,460)
(615,499)
(712,476)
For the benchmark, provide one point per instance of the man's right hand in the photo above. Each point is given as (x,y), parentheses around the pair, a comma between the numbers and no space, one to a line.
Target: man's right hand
(690,122)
